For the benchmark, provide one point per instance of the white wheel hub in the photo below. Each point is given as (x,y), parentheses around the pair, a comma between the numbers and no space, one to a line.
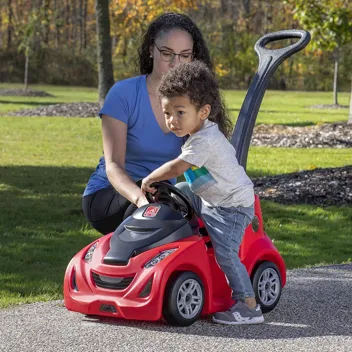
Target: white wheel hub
(189,298)
(269,287)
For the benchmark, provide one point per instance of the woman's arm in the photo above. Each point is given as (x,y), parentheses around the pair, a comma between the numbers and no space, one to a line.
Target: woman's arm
(169,170)
(114,143)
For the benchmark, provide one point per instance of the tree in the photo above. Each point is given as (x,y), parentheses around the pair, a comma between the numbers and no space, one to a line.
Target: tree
(9,26)
(105,70)
(67,35)
(330,23)
(134,16)
(350,115)
(29,33)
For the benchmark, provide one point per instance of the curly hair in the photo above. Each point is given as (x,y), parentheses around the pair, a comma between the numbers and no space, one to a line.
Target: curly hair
(195,81)
(167,22)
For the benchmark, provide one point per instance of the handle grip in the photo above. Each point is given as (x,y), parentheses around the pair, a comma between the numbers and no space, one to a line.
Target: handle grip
(282,53)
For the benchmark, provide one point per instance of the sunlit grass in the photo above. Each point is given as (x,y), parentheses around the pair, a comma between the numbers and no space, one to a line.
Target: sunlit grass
(266,161)
(292,108)
(308,235)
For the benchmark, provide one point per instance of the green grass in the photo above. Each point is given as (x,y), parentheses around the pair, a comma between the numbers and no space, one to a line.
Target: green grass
(54,141)
(45,163)
(77,142)
(307,235)
(292,108)
(266,161)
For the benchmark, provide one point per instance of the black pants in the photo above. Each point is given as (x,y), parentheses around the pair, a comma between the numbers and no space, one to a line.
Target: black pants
(106,209)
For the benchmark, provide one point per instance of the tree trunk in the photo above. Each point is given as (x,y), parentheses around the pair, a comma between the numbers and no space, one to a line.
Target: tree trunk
(105,70)
(26,70)
(247,6)
(46,25)
(74,25)
(0,32)
(350,115)
(67,22)
(336,75)
(9,26)
(57,25)
(80,21)
(84,34)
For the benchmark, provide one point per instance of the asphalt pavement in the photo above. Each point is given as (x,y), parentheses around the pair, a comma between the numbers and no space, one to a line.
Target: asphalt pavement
(314,314)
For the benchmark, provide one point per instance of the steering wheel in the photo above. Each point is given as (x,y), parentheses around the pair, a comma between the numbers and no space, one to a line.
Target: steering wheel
(171,196)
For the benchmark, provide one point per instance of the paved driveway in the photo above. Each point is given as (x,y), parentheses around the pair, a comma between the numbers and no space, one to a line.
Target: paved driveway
(314,314)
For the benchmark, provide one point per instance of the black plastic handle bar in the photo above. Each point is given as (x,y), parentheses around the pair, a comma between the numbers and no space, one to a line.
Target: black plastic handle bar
(269,61)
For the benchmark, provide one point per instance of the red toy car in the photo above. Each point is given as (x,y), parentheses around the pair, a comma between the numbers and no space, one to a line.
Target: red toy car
(156,266)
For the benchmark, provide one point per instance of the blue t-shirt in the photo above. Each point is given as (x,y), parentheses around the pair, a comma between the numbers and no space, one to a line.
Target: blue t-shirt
(148,147)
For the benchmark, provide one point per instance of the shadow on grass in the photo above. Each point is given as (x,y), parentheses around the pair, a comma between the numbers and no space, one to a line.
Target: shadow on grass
(254,172)
(27,102)
(41,227)
(301,112)
(300,124)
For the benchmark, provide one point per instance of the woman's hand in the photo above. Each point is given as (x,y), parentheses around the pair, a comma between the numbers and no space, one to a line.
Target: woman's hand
(141,201)
(145,187)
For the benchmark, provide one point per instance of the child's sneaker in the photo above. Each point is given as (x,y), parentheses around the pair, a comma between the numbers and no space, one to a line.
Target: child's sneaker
(240,313)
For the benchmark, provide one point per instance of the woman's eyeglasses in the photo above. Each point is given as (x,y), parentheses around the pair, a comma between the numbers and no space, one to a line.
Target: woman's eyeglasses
(168,56)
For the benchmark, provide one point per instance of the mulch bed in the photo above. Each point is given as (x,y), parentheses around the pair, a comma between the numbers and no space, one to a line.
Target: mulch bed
(334,135)
(82,109)
(322,187)
(24,93)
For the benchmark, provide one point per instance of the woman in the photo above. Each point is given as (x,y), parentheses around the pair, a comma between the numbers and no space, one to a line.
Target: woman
(136,139)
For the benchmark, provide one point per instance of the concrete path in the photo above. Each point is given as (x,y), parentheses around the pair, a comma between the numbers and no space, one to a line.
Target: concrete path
(314,314)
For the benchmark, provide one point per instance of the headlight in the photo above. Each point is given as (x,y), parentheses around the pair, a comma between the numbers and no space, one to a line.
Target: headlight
(89,255)
(158,258)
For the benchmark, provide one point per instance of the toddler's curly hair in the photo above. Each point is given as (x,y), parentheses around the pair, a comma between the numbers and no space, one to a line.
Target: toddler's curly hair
(197,82)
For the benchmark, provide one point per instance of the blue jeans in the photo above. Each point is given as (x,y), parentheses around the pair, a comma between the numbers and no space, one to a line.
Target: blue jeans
(226,227)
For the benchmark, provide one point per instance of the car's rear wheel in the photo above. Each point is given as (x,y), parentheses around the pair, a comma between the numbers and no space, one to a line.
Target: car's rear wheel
(267,286)
(183,299)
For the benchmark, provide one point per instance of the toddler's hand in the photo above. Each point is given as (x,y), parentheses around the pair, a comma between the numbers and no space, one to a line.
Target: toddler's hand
(145,187)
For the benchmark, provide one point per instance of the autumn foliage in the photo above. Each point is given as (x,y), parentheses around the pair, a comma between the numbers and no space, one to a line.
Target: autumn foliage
(59,37)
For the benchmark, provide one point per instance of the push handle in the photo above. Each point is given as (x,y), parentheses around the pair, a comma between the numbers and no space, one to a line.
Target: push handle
(269,60)
(282,53)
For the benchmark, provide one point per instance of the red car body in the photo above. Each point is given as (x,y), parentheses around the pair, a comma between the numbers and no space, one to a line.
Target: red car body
(140,295)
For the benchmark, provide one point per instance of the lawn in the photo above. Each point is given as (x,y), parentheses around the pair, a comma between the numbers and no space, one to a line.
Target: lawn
(278,107)
(292,108)
(45,163)
(61,95)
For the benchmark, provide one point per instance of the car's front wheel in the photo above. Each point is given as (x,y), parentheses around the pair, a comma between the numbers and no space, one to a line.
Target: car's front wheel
(267,286)
(183,299)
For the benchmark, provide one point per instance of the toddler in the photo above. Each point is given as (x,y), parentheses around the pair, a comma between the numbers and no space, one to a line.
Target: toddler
(221,192)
